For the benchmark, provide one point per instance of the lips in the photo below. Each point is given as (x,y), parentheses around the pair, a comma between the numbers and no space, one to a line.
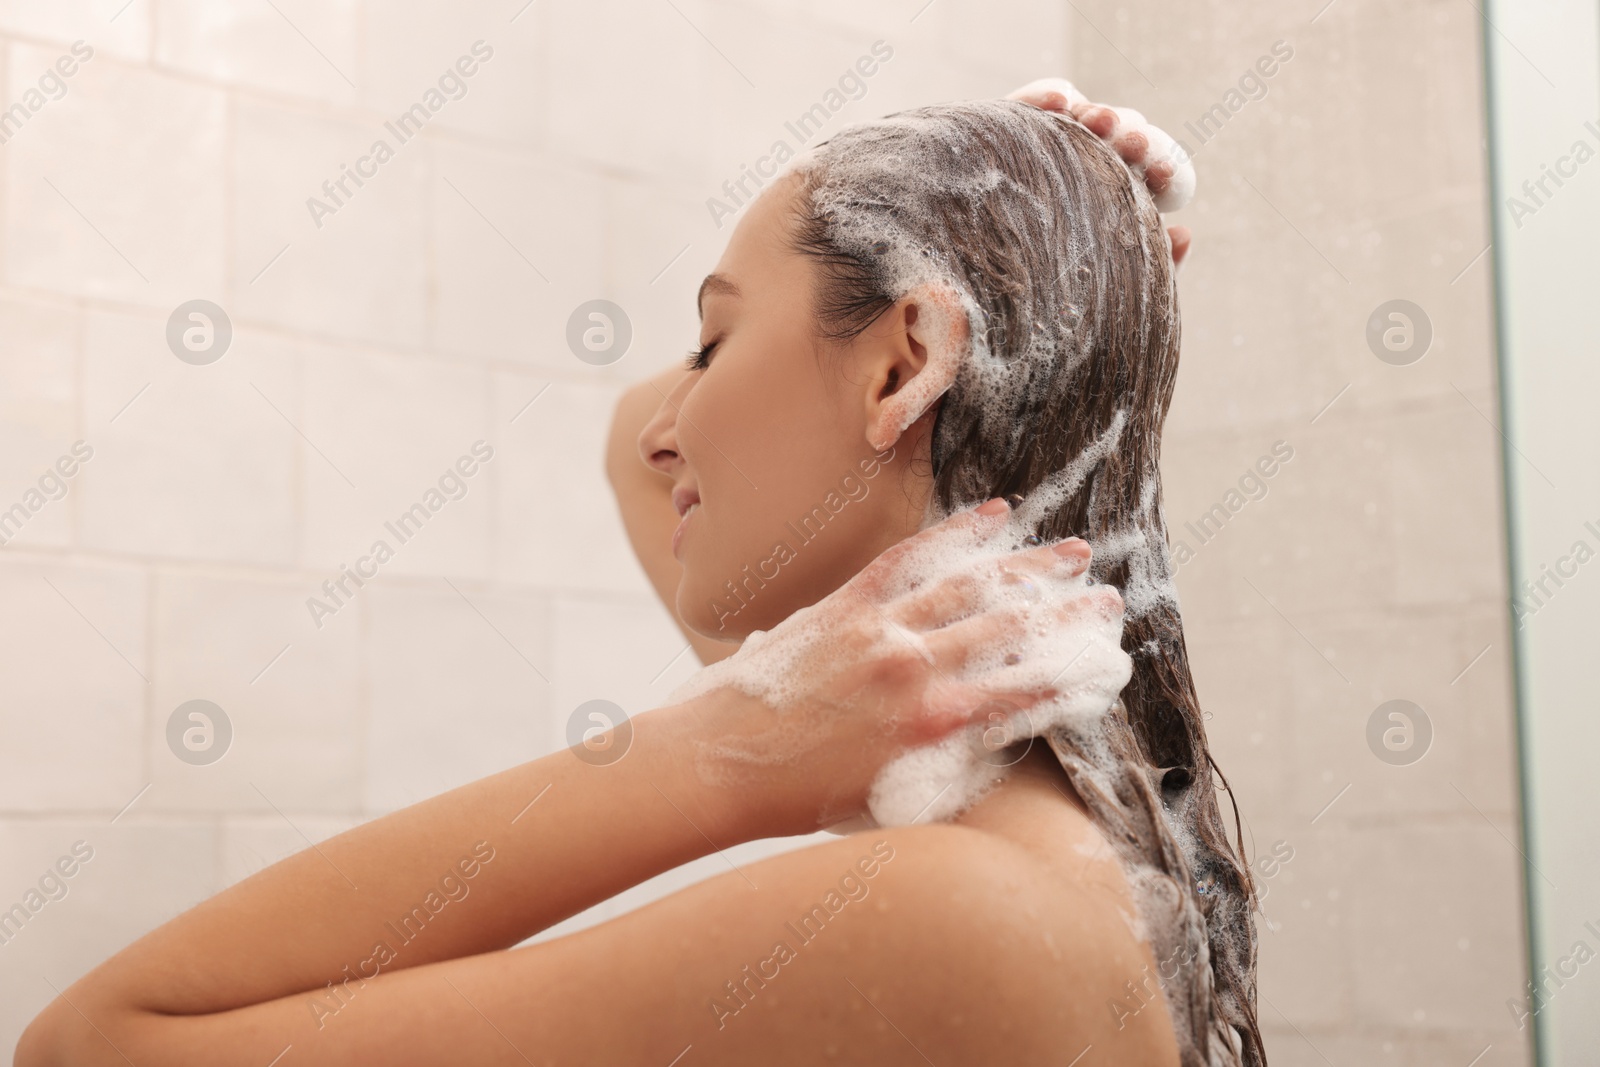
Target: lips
(687,501)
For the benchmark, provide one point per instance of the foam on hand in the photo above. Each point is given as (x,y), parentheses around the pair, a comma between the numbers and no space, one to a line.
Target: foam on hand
(1060,641)
(1161,147)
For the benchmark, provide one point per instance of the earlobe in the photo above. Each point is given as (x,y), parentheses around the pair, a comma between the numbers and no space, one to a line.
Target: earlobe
(937,337)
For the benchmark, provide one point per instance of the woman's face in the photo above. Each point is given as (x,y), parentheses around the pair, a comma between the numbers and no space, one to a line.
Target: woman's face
(782,497)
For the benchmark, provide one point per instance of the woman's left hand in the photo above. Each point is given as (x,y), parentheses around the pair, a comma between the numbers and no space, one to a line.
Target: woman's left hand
(1167,174)
(794,728)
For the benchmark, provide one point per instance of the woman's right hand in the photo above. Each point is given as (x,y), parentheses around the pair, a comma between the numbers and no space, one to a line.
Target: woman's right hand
(923,642)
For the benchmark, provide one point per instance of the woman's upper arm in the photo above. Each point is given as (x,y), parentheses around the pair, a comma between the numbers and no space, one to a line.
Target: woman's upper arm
(644,497)
(881,946)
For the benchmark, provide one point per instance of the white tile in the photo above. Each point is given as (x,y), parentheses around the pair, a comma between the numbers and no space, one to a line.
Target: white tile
(360,272)
(38,421)
(136,877)
(414,48)
(291,693)
(74,656)
(392,430)
(299,47)
(191,462)
(116,27)
(519,242)
(115,190)
(877,18)
(807,87)
(1413,970)
(1009,45)
(458,687)
(660,244)
(627,651)
(630,84)
(556,524)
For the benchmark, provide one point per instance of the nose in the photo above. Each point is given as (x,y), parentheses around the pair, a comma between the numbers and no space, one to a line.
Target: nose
(658,441)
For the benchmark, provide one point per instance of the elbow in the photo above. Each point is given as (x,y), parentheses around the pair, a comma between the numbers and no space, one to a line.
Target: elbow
(40,1044)
(62,1036)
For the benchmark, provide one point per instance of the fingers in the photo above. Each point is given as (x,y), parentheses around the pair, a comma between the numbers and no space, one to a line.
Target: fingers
(1080,668)
(941,604)
(949,705)
(1104,601)
(1050,100)
(1001,638)
(1100,120)
(1178,183)
(1155,158)
(950,599)
(1180,237)
(1158,176)
(1132,146)
(1051,94)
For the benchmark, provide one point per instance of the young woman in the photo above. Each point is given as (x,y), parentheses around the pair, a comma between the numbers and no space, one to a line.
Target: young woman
(964,311)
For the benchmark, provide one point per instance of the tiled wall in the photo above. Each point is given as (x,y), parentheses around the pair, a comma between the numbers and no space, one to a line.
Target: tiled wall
(425,313)
(1370,566)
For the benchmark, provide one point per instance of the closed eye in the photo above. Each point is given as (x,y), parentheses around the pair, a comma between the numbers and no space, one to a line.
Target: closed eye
(700,358)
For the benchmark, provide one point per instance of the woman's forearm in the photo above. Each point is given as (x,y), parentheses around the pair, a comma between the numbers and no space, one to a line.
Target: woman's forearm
(479,868)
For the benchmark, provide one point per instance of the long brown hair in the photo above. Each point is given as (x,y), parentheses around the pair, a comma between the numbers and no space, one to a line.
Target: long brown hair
(1073,308)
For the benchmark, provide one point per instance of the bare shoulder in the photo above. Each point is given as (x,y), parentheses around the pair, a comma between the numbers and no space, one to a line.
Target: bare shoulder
(906,945)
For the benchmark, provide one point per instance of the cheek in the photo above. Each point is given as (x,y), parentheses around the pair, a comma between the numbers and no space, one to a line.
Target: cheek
(767,449)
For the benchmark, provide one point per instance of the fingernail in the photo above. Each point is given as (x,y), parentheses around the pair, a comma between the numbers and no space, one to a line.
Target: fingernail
(1069,547)
(997,506)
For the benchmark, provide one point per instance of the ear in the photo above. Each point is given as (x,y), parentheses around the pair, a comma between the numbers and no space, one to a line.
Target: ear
(926,337)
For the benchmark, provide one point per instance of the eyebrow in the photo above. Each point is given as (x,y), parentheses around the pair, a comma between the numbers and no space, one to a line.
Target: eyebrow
(714,283)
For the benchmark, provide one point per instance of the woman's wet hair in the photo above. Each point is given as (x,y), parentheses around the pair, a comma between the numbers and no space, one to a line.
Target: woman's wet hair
(1063,265)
